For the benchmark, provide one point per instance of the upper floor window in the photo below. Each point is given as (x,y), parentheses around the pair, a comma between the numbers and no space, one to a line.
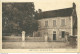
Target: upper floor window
(39,24)
(39,34)
(54,22)
(46,23)
(62,22)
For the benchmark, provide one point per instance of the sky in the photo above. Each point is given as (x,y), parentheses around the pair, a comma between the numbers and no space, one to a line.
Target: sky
(46,5)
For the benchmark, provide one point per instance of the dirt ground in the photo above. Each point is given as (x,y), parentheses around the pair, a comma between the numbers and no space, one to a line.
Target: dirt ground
(34,45)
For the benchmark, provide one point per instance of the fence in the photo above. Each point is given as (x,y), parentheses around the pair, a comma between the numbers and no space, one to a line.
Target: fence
(19,39)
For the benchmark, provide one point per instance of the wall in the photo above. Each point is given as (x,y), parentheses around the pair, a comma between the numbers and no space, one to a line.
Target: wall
(19,39)
(58,20)
(49,30)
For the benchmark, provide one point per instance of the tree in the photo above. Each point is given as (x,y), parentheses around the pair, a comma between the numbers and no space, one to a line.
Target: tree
(20,16)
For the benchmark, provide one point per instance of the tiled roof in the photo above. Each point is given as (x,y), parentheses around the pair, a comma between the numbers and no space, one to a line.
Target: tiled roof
(56,13)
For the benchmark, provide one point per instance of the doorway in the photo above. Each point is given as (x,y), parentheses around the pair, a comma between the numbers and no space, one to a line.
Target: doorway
(54,35)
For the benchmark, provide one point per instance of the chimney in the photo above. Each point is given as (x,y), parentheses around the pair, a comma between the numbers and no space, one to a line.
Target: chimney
(74,5)
(39,10)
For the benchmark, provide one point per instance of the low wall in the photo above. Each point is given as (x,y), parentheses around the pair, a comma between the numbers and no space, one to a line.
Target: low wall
(19,39)
(35,39)
(72,41)
(11,38)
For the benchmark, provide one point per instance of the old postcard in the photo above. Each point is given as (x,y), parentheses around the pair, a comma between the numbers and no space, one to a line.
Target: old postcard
(39,26)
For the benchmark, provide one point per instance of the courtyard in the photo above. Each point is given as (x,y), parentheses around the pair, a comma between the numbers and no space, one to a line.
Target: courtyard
(35,45)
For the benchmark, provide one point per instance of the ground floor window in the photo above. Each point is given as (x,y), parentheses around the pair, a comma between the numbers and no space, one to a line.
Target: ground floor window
(63,34)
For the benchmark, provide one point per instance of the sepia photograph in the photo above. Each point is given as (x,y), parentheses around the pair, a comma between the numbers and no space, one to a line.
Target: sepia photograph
(33,25)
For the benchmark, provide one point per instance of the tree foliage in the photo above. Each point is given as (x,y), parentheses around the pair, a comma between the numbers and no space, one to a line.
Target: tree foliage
(18,16)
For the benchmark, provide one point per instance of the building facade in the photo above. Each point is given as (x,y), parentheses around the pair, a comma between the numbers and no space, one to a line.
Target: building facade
(55,24)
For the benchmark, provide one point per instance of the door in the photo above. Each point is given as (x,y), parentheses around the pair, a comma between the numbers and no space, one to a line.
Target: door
(54,36)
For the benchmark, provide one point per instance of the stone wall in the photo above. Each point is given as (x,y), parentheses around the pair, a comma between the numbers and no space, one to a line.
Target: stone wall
(58,28)
(19,39)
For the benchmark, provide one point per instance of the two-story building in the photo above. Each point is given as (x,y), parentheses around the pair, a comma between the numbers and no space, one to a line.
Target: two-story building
(56,23)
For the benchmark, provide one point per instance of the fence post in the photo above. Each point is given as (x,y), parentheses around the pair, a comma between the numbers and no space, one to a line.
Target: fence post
(46,38)
(23,35)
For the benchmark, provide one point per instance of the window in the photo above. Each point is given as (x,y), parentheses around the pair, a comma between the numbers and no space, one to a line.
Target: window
(62,22)
(54,22)
(39,34)
(39,24)
(63,34)
(46,23)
